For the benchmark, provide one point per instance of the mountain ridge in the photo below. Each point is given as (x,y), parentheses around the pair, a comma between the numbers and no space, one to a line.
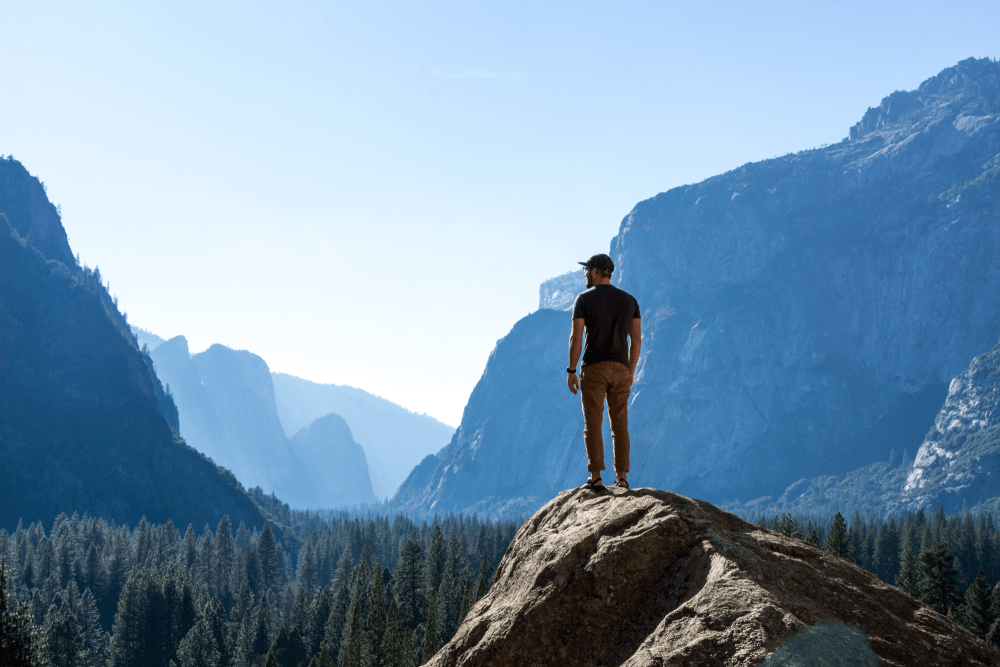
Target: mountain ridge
(792,309)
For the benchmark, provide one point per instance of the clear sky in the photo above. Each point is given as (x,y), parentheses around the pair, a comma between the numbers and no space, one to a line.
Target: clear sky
(370,193)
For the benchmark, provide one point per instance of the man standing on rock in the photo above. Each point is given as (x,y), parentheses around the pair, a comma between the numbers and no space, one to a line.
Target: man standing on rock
(611,318)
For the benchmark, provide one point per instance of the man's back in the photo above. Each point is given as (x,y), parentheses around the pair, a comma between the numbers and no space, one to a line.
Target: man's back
(607,313)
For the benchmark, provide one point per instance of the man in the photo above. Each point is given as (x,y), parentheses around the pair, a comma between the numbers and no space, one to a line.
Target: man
(611,319)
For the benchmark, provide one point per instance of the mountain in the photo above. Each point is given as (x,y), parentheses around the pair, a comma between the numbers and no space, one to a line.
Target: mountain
(802,316)
(226,402)
(328,444)
(394,439)
(648,578)
(958,462)
(147,339)
(82,423)
(560,293)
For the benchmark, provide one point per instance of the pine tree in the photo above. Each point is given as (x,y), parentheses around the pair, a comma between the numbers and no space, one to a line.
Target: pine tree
(431,639)
(289,649)
(215,617)
(336,623)
(409,588)
(885,557)
(355,639)
(376,617)
(307,572)
(225,554)
(939,588)
(199,648)
(272,569)
(392,639)
(319,612)
(908,579)
(435,561)
(299,613)
(450,591)
(20,642)
(65,644)
(483,585)
(467,601)
(260,638)
(789,527)
(977,614)
(325,659)
(270,661)
(837,540)
(90,623)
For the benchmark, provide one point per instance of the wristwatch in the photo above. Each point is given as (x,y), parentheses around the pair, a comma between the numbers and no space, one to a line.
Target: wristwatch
(571,370)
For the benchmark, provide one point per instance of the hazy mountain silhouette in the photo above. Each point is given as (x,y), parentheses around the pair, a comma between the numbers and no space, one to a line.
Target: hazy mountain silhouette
(82,423)
(226,402)
(394,439)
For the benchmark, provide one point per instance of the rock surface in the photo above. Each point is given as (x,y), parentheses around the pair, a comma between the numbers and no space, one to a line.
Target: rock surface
(802,316)
(560,293)
(645,577)
(959,460)
(395,440)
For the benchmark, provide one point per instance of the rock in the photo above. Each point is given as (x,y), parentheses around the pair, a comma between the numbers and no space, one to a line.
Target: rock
(395,440)
(645,577)
(560,293)
(959,460)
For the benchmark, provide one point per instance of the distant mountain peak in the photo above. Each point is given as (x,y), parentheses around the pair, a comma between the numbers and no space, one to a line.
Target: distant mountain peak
(974,83)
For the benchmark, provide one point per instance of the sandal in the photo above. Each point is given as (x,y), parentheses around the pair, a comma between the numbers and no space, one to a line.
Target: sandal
(622,484)
(594,485)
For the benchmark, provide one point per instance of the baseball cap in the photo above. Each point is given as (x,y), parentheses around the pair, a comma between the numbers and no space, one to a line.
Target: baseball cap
(602,262)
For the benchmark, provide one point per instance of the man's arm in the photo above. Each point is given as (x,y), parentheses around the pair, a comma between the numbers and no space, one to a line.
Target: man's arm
(634,345)
(575,346)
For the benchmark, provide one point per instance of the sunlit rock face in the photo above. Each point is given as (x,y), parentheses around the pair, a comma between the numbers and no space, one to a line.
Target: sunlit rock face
(560,293)
(801,315)
(959,460)
(644,578)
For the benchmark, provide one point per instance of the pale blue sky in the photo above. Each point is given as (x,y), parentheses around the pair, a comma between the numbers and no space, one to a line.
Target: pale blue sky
(370,193)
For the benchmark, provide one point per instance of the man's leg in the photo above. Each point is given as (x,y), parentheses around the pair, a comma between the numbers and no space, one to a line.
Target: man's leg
(618,394)
(593,388)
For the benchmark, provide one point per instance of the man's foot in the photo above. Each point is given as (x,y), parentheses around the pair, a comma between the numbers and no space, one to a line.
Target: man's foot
(594,484)
(622,483)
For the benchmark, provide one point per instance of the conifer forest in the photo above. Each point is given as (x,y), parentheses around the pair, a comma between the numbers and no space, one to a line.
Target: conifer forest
(314,590)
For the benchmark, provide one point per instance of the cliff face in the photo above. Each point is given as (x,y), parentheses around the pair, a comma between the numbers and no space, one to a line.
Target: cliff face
(328,446)
(795,311)
(560,293)
(959,460)
(394,439)
(81,428)
(644,578)
(226,402)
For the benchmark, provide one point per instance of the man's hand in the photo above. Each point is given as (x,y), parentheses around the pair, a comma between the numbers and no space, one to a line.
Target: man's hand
(572,382)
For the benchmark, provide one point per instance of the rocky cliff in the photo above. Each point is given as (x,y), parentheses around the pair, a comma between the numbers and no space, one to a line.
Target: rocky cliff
(801,316)
(959,460)
(644,577)
(226,402)
(560,293)
(394,439)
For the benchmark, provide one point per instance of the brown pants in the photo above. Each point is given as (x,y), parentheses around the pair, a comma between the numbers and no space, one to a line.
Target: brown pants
(597,381)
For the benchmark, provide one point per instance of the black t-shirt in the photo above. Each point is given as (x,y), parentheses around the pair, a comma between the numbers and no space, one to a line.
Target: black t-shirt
(607,313)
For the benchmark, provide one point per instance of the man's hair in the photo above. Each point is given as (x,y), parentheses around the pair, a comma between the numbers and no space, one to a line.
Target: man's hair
(604,274)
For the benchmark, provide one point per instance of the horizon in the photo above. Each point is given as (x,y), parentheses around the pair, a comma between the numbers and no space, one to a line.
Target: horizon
(227,167)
